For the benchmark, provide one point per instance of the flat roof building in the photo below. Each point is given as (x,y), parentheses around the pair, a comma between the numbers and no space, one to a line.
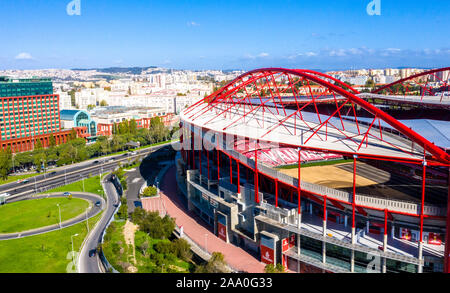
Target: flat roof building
(29,111)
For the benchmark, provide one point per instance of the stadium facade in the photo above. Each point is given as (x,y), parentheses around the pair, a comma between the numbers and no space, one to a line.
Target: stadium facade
(233,142)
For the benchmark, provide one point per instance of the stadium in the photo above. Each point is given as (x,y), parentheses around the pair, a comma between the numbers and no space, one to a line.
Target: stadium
(304,170)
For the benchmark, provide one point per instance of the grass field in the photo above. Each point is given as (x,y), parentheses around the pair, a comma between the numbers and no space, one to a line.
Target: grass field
(30,214)
(315,164)
(45,253)
(91,185)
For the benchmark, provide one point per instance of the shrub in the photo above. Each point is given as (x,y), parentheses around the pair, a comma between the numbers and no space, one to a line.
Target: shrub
(149,191)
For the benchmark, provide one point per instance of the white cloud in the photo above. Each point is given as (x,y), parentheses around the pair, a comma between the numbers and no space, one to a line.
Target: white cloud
(192,23)
(262,55)
(24,56)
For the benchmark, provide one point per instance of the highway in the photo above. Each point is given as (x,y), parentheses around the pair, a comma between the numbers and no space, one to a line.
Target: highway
(71,173)
(87,264)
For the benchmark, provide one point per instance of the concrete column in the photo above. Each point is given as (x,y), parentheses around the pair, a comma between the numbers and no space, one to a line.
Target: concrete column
(385,240)
(310,209)
(345,221)
(299,221)
(352,262)
(392,231)
(353,235)
(367,226)
(324,252)
(420,268)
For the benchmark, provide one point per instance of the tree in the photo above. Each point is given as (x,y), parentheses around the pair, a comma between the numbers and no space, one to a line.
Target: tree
(103,103)
(271,269)
(149,191)
(73,134)
(133,126)
(370,83)
(5,163)
(182,249)
(52,141)
(216,264)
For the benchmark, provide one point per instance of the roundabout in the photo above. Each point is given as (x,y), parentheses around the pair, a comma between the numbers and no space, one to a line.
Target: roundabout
(46,217)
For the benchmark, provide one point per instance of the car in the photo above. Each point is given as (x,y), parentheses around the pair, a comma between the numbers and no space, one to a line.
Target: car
(25,181)
(97,204)
(92,252)
(133,153)
(52,173)
(67,193)
(96,162)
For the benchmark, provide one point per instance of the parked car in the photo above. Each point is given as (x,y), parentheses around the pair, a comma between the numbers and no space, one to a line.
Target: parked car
(98,204)
(92,252)
(67,193)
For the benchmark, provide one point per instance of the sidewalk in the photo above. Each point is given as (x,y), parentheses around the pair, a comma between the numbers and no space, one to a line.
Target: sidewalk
(196,229)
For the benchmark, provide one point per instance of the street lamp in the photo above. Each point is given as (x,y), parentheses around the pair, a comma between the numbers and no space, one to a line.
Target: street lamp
(82,180)
(71,238)
(59,208)
(100,190)
(87,219)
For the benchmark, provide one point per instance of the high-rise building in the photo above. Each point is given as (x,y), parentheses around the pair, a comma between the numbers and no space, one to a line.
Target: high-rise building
(29,111)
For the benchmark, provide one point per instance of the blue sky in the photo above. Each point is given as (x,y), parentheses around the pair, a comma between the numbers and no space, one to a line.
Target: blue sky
(227,34)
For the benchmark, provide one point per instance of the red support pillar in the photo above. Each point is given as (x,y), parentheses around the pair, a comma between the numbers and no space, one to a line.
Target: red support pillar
(447,232)
(424,177)
(256,176)
(299,187)
(354,199)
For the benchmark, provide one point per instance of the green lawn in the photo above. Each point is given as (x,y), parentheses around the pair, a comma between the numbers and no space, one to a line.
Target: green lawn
(30,214)
(322,163)
(45,253)
(91,185)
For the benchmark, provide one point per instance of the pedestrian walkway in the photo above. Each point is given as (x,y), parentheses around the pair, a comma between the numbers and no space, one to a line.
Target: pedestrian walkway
(200,233)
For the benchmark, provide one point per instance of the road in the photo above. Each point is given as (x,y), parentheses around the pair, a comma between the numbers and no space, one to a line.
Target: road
(69,174)
(92,198)
(135,182)
(87,264)
(73,173)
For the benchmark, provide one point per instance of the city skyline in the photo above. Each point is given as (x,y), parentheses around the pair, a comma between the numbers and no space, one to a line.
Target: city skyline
(232,35)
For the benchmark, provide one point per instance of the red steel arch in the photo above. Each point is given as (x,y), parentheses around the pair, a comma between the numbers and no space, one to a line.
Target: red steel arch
(417,80)
(271,86)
